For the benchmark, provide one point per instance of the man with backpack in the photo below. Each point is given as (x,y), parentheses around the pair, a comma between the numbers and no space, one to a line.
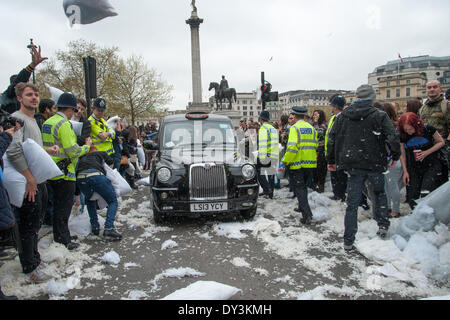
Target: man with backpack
(436,112)
(360,142)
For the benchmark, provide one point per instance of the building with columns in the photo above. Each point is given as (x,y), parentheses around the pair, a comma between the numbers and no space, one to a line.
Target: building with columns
(404,79)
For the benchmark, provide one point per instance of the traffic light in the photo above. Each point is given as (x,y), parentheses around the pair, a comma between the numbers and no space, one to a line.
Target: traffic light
(266,93)
(90,76)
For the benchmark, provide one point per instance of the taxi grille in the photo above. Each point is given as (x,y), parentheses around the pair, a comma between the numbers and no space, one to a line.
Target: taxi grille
(208,182)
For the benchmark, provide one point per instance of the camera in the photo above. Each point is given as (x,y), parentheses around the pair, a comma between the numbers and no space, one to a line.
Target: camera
(8,122)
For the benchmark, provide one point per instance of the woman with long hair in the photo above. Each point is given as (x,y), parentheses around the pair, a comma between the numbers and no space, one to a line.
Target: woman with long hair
(413,106)
(393,177)
(422,168)
(320,173)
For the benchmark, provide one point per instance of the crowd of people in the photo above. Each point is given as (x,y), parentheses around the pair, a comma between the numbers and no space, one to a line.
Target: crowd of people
(371,149)
(82,157)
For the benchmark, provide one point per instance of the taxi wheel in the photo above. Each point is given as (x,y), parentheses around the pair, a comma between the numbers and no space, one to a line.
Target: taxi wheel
(248,214)
(158,216)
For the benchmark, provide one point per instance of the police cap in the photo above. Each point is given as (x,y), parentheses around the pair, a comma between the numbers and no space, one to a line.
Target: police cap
(300,111)
(264,115)
(67,100)
(100,104)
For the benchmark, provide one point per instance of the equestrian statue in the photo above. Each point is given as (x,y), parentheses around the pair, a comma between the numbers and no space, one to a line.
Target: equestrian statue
(223,92)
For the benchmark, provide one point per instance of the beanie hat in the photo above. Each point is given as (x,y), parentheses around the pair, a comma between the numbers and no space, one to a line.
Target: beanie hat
(366,92)
(338,102)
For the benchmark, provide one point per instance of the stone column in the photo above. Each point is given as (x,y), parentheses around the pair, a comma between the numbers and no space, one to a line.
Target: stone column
(194,23)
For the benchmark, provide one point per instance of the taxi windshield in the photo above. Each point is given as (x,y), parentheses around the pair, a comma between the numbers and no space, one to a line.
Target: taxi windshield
(198,134)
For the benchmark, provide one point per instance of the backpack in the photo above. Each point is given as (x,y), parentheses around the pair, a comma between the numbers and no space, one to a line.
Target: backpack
(444,106)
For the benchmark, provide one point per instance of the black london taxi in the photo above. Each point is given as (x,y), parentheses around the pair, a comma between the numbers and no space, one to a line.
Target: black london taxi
(198,170)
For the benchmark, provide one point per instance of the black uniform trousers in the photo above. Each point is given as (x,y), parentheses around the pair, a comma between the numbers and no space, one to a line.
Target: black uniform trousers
(299,179)
(29,222)
(63,194)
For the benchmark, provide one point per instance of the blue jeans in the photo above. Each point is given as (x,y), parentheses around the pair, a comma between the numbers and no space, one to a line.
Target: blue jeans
(104,188)
(356,182)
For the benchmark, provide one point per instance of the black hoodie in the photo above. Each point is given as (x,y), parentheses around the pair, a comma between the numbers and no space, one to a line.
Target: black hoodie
(363,137)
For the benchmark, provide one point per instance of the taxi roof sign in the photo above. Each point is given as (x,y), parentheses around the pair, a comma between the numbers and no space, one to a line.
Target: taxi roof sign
(197,116)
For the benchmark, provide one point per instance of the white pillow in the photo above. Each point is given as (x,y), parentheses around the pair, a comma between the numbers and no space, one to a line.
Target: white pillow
(140,153)
(112,122)
(119,183)
(15,183)
(39,161)
(101,203)
(77,127)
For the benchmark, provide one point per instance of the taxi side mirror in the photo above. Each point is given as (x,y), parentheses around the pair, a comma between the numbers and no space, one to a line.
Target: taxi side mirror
(150,145)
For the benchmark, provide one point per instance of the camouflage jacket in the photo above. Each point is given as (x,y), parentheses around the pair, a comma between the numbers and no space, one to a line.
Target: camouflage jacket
(432,113)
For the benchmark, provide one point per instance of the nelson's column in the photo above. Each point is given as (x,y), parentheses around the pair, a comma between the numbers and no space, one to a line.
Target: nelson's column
(194,22)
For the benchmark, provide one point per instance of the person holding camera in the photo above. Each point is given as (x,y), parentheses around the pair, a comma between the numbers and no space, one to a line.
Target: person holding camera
(7,220)
(30,214)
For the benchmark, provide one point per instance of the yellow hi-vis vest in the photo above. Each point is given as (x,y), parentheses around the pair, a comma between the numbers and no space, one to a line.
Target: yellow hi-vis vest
(97,126)
(302,147)
(268,143)
(330,126)
(58,131)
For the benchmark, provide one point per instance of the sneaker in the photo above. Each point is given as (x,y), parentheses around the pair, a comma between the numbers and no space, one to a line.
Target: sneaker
(382,232)
(4,297)
(72,246)
(95,231)
(39,276)
(306,221)
(7,255)
(3,255)
(349,248)
(113,234)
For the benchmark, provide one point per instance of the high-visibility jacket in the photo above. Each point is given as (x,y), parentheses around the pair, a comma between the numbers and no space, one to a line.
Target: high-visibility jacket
(58,131)
(268,143)
(97,126)
(330,126)
(302,147)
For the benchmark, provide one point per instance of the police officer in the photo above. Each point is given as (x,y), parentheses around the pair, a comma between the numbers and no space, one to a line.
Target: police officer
(58,131)
(301,158)
(268,154)
(102,136)
(339,177)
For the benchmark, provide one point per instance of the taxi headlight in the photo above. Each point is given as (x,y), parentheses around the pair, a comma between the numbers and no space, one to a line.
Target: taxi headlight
(164,175)
(248,171)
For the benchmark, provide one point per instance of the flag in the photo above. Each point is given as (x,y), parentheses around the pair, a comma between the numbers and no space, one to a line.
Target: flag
(401,59)
(87,11)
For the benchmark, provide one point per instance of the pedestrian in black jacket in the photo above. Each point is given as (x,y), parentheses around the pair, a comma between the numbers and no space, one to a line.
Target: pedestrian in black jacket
(7,220)
(8,100)
(361,142)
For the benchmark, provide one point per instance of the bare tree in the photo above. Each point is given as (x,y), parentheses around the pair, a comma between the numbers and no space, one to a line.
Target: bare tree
(140,90)
(131,89)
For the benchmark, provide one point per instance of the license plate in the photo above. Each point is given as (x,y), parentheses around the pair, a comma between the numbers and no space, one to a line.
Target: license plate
(209,207)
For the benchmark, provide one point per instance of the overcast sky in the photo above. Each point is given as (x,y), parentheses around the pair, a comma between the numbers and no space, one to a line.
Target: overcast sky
(322,44)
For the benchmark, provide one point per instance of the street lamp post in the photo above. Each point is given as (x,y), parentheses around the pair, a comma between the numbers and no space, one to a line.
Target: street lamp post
(30,47)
